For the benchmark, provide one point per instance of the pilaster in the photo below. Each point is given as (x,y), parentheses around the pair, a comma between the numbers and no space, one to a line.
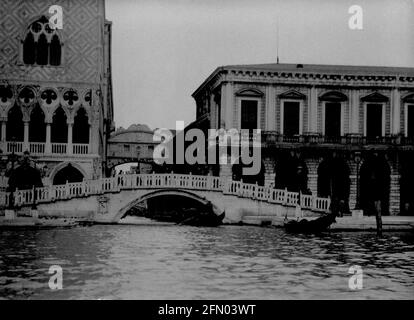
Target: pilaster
(395,111)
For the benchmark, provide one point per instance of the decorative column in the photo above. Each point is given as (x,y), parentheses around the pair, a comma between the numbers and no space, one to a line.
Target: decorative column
(226,172)
(396,111)
(3,145)
(94,138)
(395,194)
(354,112)
(26,136)
(91,142)
(355,184)
(213,110)
(69,150)
(352,185)
(227,101)
(48,145)
(395,187)
(313,111)
(3,130)
(270,174)
(270,108)
(312,165)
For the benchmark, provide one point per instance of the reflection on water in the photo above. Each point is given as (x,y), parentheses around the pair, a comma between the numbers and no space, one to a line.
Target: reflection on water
(177,262)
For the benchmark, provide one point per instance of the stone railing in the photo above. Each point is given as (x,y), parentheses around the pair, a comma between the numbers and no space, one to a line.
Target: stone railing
(37,147)
(80,148)
(16,147)
(41,148)
(273,137)
(164,181)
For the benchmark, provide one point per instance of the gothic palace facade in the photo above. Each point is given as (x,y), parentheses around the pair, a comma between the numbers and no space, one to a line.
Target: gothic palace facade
(341,131)
(55,88)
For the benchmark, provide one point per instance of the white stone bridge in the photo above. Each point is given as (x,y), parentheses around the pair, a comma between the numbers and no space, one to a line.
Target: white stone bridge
(109,199)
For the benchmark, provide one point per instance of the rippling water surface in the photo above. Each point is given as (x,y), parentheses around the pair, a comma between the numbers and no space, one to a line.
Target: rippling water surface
(177,262)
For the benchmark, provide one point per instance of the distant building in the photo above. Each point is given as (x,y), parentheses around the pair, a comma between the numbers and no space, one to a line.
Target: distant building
(335,131)
(132,145)
(55,88)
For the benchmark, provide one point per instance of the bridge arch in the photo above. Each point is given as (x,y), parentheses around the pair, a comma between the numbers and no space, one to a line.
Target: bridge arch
(166,192)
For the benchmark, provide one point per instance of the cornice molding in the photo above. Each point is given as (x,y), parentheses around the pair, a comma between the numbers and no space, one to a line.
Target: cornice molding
(409,98)
(375,97)
(292,94)
(333,96)
(249,92)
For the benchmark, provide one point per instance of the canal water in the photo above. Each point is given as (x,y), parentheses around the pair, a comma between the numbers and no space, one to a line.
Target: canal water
(150,261)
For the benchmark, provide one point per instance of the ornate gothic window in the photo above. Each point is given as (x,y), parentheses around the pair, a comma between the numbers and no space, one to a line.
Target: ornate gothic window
(42,45)
(81,127)
(37,127)
(15,126)
(59,127)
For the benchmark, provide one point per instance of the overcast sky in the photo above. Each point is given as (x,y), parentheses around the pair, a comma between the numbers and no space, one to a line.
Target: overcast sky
(163,50)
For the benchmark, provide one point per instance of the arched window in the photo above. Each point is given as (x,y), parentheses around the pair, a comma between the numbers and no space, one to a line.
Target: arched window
(81,127)
(291,173)
(37,127)
(55,51)
(42,55)
(15,126)
(59,132)
(42,45)
(333,181)
(375,183)
(29,49)
(68,174)
(25,177)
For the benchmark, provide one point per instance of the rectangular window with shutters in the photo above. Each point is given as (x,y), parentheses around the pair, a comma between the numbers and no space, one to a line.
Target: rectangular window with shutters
(332,119)
(291,118)
(410,121)
(249,114)
(374,121)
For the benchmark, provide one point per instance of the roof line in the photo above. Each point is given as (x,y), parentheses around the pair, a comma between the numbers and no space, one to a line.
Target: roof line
(308,68)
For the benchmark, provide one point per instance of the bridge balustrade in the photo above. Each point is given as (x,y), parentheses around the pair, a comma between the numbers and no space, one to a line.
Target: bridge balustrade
(159,181)
(291,198)
(42,194)
(306,201)
(277,196)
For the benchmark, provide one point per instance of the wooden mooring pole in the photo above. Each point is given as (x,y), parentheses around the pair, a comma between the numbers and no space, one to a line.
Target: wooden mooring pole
(378,217)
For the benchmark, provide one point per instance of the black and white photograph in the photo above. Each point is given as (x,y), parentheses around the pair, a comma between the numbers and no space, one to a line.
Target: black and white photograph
(233,151)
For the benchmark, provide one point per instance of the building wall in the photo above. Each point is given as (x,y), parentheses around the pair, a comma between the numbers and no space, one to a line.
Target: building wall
(82,35)
(85,69)
(355,88)
(232,117)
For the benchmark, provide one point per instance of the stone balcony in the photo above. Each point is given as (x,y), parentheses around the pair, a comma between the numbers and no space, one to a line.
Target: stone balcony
(355,141)
(43,148)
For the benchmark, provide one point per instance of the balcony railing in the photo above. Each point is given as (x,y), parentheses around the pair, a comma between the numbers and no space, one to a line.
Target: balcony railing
(59,148)
(37,147)
(16,147)
(41,148)
(80,148)
(271,137)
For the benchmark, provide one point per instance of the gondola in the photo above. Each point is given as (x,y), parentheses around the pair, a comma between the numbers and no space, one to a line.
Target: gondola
(204,217)
(310,226)
(203,220)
